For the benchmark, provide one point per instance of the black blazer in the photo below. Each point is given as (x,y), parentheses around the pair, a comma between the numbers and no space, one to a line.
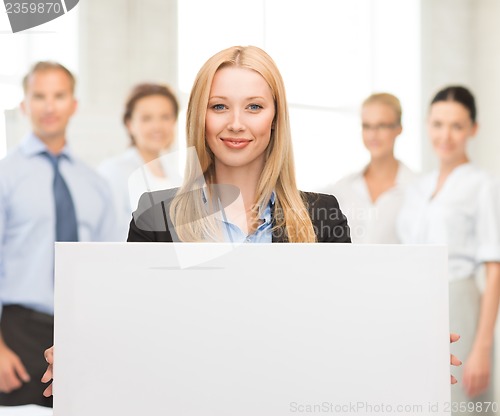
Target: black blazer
(150,220)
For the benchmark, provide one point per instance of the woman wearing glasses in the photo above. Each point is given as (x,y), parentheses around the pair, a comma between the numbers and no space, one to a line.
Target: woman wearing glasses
(372,197)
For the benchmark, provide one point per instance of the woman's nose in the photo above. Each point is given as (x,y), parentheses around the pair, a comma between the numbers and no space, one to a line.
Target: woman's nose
(235,122)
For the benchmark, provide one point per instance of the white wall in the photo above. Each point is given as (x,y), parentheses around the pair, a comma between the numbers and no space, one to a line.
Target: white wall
(485,61)
(447,44)
(460,44)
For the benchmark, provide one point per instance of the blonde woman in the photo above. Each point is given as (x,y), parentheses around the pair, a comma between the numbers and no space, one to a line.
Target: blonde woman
(371,198)
(241,185)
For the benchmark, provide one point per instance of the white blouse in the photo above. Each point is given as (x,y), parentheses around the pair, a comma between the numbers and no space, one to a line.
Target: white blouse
(464,214)
(371,222)
(129,177)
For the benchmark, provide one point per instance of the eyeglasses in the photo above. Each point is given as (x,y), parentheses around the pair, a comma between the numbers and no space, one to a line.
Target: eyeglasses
(379,127)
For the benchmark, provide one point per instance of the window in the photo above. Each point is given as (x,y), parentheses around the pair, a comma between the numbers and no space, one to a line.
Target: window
(332,54)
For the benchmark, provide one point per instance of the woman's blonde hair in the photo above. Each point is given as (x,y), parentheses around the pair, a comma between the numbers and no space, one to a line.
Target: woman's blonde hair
(387,99)
(188,210)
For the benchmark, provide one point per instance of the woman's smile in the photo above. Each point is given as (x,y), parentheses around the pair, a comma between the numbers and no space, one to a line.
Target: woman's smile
(234,143)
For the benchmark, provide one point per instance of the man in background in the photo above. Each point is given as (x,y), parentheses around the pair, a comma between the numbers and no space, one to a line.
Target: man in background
(46,195)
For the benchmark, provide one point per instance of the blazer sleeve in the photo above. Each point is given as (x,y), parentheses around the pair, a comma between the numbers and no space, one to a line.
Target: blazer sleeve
(330,224)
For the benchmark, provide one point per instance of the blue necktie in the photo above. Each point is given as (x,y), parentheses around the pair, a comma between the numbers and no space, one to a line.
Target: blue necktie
(66,224)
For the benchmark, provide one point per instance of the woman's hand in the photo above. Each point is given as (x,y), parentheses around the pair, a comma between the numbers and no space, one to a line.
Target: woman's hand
(477,372)
(47,376)
(454,360)
(49,357)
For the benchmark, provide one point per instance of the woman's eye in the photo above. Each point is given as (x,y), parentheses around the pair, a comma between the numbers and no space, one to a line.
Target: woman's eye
(218,107)
(254,107)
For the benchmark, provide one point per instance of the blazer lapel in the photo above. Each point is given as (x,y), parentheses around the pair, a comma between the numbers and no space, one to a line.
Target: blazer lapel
(279,235)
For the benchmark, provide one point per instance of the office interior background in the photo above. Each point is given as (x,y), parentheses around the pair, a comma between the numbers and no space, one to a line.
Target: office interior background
(332,54)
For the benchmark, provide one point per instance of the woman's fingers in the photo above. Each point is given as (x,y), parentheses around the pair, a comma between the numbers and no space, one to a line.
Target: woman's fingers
(454,360)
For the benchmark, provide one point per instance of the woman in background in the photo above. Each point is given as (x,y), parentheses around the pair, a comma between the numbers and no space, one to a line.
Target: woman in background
(150,117)
(458,205)
(372,197)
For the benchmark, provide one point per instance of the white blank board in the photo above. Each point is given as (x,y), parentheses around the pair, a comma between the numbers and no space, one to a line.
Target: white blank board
(262,329)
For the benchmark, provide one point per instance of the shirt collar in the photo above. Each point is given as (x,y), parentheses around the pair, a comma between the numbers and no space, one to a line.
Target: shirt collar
(264,211)
(31,145)
(265,214)
(402,174)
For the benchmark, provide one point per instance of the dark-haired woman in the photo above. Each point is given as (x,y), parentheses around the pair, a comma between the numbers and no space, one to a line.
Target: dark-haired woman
(458,205)
(150,117)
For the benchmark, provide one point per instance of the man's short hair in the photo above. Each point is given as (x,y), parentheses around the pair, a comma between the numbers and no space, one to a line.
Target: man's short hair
(48,66)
